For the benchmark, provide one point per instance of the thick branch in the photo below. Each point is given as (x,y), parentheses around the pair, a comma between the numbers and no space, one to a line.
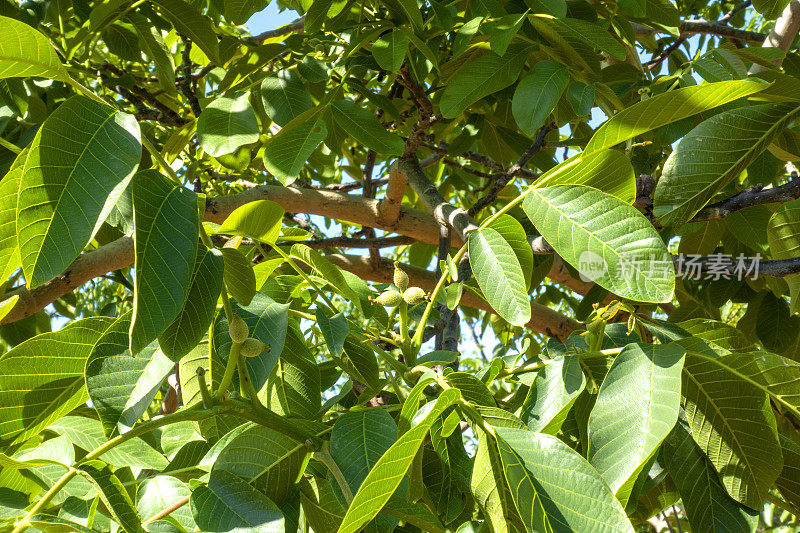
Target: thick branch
(442,210)
(750,197)
(296,26)
(783,34)
(389,207)
(690,27)
(543,319)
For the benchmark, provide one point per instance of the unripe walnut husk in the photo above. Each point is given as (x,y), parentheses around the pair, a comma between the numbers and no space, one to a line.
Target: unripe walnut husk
(414,295)
(238,330)
(252,347)
(389,299)
(400,278)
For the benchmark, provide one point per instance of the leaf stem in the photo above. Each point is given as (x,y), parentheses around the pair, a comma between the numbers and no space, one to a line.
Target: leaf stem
(160,159)
(417,340)
(302,274)
(192,413)
(324,456)
(230,368)
(10,146)
(778,502)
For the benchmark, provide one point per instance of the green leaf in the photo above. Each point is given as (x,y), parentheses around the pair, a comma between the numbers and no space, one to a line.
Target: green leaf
(161,492)
(471,388)
(166,226)
(284,97)
(189,22)
(334,330)
(70,183)
(489,488)
(87,434)
(581,97)
(358,441)
(783,232)
(789,480)
(391,468)
(239,277)
(41,379)
(771,9)
(293,388)
(608,241)
(259,220)
(9,250)
(390,50)
(113,494)
(365,127)
(268,322)
(593,35)
(286,153)
(239,11)
(499,275)
(537,94)
(112,374)
(24,52)
(485,74)
(46,522)
(330,273)
(504,30)
(556,8)
(414,513)
(216,427)
(192,322)
(227,124)
(669,107)
(155,49)
(556,489)
(726,347)
(273,470)
(732,422)
(552,395)
(408,9)
(713,154)
(708,507)
(229,504)
(607,170)
(624,430)
(359,361)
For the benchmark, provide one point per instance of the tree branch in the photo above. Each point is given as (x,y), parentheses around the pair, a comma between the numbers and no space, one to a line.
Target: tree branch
(296,26)
(783,34)
(442,210)
(544,320)
(750,197)
(691,27)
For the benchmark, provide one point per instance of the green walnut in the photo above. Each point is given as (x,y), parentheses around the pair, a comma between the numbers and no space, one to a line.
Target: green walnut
(389,299)
(252,347)
(400,278)
(238,330)
(414,295)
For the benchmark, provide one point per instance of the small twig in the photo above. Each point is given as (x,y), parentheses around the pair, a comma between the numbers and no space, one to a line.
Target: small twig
(725,19)
(515,169)
(691,27)
(172,508)
(186,85)
(750,197)
(296,26)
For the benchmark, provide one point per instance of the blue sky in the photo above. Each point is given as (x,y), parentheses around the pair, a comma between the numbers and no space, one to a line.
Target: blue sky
(270,18)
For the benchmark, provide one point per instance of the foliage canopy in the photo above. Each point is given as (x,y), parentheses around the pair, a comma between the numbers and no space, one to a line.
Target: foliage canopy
(606,188)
